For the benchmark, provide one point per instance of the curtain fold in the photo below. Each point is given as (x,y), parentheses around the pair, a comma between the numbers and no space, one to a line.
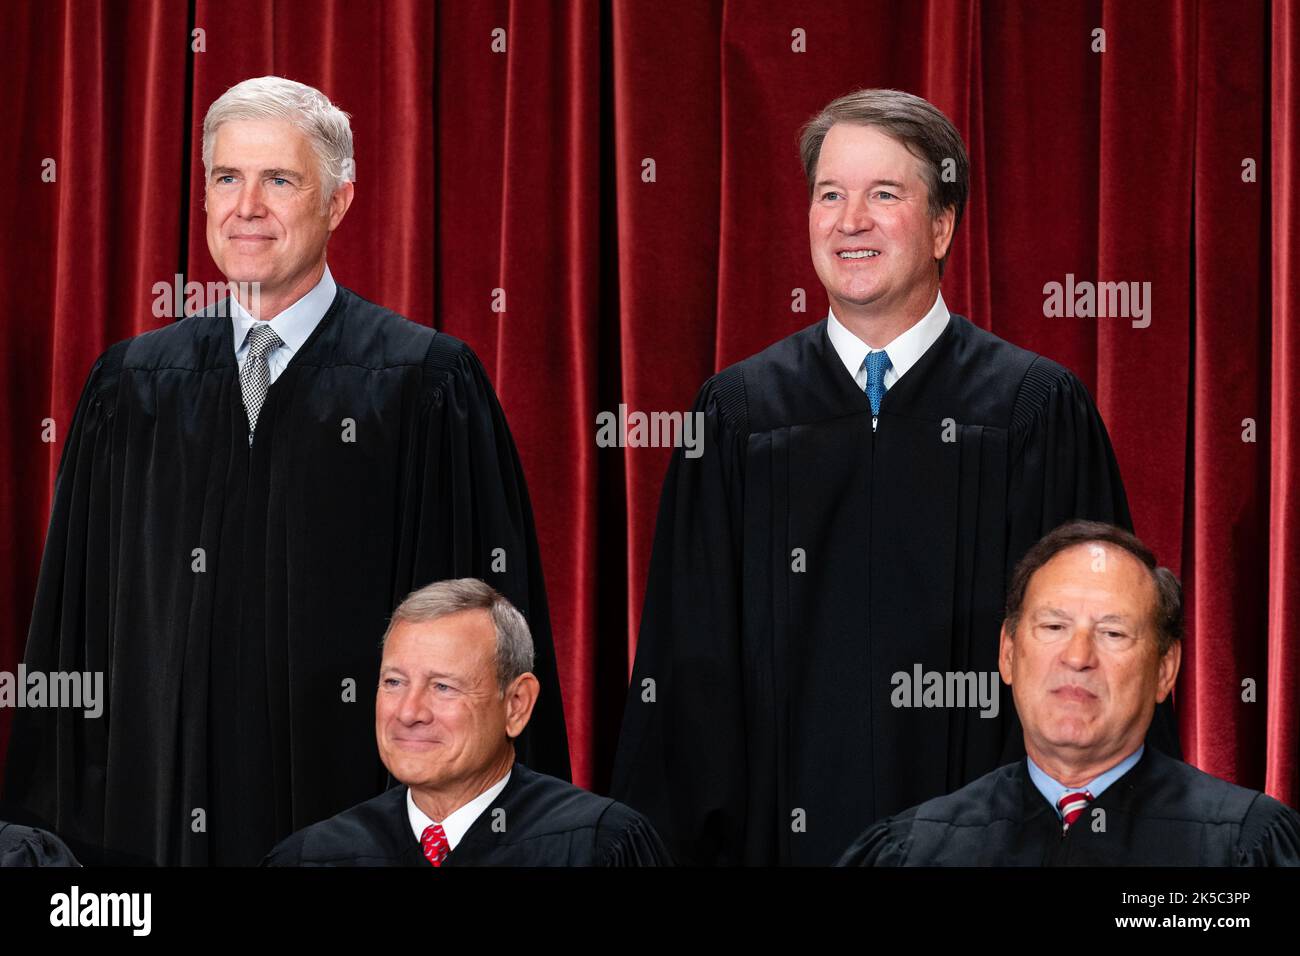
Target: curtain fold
(1283,567)
(604,199)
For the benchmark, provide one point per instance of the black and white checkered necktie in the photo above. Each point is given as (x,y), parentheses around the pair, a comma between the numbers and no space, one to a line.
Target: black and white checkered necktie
(255,375)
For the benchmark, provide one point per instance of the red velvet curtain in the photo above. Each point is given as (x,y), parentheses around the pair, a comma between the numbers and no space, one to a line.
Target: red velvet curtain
(627,173)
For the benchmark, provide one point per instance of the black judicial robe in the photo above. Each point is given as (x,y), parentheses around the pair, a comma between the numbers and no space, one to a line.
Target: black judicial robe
(803,559)
(536,820)
(241,678)
(26,846)
(1163,812)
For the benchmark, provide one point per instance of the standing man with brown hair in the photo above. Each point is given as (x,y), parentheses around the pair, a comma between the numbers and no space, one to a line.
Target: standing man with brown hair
(866,485)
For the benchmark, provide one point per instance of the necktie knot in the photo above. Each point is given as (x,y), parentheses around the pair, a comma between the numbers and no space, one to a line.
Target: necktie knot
(261,340)
(434,843)
(1072,806)
(876,364)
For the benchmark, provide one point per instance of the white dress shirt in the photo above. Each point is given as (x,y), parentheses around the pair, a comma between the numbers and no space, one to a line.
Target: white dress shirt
(903,350)
(458,821)
(294,325)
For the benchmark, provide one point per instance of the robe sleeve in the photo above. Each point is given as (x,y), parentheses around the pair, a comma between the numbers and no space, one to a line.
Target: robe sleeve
(1063,465)
(1270,835)
(24,846)
(626,838)
(466,513)
(682,751)
(56,763)
(884,843)
(1064,468)
(287,852)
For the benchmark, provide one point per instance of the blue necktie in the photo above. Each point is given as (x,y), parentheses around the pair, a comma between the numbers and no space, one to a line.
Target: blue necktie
(877,364)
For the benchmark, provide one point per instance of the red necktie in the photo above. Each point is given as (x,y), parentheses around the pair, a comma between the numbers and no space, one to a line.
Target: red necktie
(434,842)
(1071,806)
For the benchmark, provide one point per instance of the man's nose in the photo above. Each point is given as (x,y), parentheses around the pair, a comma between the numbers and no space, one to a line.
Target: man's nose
(413,708)
(1080,651)
(857,214)
(251,204)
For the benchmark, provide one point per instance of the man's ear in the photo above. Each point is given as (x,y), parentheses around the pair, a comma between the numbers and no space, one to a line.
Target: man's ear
(942,227)
(520,699)
(1006,648)
(339,204)
(1168,671)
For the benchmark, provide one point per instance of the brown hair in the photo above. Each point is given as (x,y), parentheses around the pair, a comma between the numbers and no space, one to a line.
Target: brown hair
(918,125)
(1168,620)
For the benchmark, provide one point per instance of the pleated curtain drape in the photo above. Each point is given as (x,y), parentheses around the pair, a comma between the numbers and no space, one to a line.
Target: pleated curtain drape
(604,199)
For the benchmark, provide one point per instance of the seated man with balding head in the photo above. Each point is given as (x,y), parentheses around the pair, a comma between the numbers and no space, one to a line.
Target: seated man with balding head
(456,689)
(1091,644)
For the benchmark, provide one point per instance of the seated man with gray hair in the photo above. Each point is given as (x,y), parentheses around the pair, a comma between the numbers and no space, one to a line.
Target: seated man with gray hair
(1091,644)
(456,689)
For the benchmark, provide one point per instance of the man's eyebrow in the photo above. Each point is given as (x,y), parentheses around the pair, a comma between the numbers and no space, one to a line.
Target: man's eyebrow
(875,182)
(274,172)
(1115,618)
(1040,612)
(427,675)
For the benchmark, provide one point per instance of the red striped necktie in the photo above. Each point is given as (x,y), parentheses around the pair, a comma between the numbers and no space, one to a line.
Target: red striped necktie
(1071,806)
(434,842)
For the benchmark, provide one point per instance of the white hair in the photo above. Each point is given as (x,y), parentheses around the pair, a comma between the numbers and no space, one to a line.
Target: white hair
(273,97)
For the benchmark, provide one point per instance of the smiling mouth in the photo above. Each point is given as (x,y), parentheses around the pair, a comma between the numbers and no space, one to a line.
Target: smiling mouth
(859,254)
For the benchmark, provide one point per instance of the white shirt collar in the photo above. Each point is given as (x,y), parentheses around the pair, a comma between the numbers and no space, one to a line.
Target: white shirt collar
(458,821)
(295,323)
(903,351)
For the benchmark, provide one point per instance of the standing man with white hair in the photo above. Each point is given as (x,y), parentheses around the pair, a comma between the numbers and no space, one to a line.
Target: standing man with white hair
(243,498)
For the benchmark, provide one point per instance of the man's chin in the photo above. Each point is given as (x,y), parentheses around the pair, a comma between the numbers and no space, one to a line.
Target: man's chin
(248,276)
(1069,734)
(419,776)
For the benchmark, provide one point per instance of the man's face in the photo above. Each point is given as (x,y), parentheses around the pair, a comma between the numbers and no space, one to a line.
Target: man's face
(439,718)
(869,198)
(1084,664)
(263,200)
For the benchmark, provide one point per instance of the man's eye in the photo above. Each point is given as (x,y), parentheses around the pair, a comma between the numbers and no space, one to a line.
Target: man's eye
(441,687)
(223,179)
(886,195)
(391,682)
(280,179)
(830,195)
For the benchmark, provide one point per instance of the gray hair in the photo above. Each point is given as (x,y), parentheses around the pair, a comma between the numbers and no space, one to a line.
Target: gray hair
(514,653)
(916,123)
(273,97)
